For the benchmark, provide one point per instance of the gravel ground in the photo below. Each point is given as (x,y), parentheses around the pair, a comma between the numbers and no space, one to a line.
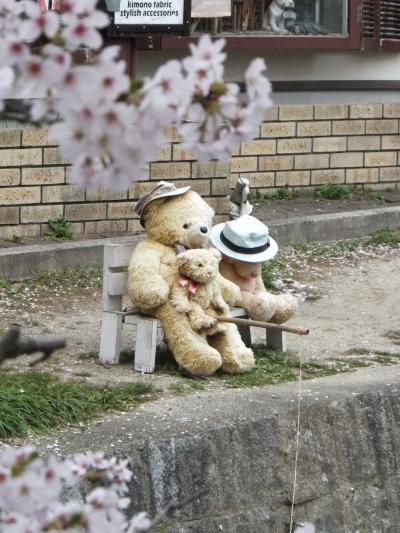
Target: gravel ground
(348,300)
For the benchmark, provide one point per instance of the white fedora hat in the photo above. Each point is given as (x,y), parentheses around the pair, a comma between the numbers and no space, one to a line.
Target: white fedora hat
(245,239)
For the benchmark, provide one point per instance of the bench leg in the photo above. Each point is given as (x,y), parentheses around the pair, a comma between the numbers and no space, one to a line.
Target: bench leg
(110,342)
(276,340)
(146,344)
(246,332)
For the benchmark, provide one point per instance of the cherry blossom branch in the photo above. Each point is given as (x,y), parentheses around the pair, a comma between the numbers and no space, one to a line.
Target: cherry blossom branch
(111,127)
(13,346)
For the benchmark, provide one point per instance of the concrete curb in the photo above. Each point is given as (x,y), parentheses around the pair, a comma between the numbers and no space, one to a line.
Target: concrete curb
(335,226)
(19,263)
(240,446)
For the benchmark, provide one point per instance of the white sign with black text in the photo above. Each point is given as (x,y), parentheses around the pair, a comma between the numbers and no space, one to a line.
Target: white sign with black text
(150,12)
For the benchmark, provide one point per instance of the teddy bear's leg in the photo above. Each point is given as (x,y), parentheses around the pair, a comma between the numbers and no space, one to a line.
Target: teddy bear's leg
(260,306)
(236,357)
(191,350)
(286,306)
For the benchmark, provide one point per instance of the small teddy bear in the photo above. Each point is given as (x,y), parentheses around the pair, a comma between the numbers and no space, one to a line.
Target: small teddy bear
(197,292)
(245,244)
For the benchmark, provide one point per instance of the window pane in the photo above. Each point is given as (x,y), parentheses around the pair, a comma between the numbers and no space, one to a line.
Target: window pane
(270,17)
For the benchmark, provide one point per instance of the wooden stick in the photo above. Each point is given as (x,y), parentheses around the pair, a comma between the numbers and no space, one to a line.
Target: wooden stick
(298,330)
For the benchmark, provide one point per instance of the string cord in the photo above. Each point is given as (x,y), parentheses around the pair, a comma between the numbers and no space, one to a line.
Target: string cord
(297,446)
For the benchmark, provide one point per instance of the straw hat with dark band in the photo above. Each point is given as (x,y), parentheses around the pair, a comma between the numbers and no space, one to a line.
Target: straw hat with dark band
(245,239)
(163,189)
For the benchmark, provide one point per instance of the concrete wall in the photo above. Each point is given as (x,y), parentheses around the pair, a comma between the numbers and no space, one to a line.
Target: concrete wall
(301,146)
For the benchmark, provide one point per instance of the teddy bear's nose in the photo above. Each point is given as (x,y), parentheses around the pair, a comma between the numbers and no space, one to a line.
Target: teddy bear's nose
(204,229)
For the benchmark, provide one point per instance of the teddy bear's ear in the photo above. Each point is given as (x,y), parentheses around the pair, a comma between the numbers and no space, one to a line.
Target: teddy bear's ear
(216,253)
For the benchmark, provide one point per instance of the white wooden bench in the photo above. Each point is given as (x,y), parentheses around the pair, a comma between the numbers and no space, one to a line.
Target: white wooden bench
(148,329)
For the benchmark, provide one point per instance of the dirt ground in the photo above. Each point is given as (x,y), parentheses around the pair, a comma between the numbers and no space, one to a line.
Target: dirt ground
(350,301)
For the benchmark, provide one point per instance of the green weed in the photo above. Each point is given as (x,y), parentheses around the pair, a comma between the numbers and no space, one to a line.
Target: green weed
(16,238)
(60,228)
(284,193)
(385,236)
(35,402)
(331,191)
(62,276)
(269,271)
(393,335)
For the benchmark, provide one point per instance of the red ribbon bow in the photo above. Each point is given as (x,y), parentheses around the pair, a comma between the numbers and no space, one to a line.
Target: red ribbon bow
(190,284)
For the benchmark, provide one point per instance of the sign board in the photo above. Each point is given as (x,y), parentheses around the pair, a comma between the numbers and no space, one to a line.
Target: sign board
(152,17)
(211,8)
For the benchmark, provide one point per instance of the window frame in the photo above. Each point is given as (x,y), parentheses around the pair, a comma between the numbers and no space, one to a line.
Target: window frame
(352,41)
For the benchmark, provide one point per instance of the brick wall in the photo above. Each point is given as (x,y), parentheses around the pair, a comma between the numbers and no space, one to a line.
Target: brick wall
(304,146)
(301,146)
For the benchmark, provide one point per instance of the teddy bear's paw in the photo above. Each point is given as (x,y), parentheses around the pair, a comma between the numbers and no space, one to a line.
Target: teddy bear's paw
(203,365)
(204,323)
(286,307)
(149,297)
(242,361)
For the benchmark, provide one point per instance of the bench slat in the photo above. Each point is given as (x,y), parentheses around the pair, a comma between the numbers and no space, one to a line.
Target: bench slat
(118,255)
(117,283)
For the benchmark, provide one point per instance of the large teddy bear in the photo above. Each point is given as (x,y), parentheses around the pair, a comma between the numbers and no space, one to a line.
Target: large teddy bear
(177,219)
(245,244)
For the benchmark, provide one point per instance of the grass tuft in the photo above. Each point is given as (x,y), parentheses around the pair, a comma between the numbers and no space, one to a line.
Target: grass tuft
(284,193)
(270,270)
(60,228)
(36,402)
(331,191)
(385,236)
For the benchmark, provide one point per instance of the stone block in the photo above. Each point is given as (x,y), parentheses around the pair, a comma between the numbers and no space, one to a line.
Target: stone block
(296,112)
(52,156)
(278,129)
(106,226)
(40,213)
(244,164)
(294,146)
(212,169)
(382,126)
(37,137)
(9,137)
(62,193)
(22,230)
(314,129)
(104,195)
(219,187)
(390,142)
(43,175)
(172,134)
(311,161)
(380,159)
(134,226)
(362,175)
(332,111)
(9,177)
(219,204)
(350,159)
(271,114)
(320,177)
(389,174)
(165,153)
(170,171)
(276,162)
(258,180)
(258,147)
(121,210)
(294,178)
(179,154)
(19,195)
(9,215)
(391,110)
(366,110)
(364,142)
(348,127)
(82,212)
(329,144)
(20,157)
